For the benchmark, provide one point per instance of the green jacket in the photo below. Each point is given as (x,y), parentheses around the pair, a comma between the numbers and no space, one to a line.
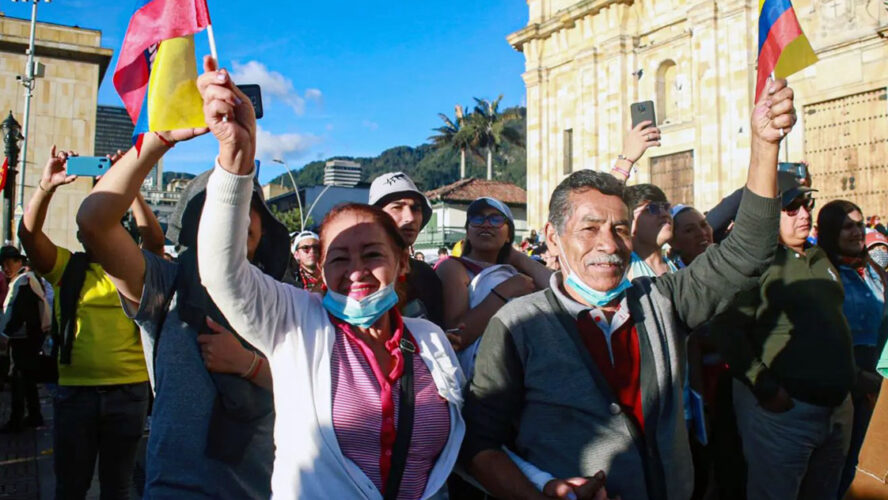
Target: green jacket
(791,331)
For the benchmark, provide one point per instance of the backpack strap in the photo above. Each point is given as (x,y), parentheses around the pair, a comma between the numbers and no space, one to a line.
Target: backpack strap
(404,433)
(69,296)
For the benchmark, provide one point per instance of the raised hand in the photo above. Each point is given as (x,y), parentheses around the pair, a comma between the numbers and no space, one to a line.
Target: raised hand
(639,139)
(230,117)
(54,173)
(774,114)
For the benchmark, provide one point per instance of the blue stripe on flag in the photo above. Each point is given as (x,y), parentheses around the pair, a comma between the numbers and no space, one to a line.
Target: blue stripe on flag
(771,12)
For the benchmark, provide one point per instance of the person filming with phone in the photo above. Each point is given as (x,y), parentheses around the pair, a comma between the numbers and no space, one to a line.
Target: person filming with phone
(103,381)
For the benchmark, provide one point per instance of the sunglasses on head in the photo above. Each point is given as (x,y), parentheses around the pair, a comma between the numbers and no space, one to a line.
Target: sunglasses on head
(793,208)
(495,220)
(658,208)
(309,248)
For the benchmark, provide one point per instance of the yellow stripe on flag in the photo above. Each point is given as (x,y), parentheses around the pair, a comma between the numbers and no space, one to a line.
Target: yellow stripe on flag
(173,99)
(796,56)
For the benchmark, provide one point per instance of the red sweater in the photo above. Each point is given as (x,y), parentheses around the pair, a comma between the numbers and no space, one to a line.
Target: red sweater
(623,374)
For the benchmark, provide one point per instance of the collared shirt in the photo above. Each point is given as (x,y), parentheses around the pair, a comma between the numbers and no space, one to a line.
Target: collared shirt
(366,406)
(613,346)
(638,267)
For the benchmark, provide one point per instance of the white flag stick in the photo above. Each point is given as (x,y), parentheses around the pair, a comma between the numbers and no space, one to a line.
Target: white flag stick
(213,53)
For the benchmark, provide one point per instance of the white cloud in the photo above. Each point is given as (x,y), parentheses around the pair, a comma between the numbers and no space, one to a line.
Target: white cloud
(370,125)
(270,146)
(274,85)
(313,95)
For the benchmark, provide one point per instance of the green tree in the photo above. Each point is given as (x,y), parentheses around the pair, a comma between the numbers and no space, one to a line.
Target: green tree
(292,219)
(490,128)
(457,134)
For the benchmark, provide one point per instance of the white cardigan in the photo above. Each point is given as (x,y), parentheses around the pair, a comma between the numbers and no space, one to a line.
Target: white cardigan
(291,327)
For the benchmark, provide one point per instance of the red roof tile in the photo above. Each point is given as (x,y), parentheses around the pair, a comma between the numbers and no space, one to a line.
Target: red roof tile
(468,190)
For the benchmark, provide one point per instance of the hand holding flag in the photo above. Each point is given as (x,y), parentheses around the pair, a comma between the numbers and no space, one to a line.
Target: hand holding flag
(774,114)
(231,118)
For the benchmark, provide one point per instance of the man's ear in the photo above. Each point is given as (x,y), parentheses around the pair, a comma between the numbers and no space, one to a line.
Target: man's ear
(551,236)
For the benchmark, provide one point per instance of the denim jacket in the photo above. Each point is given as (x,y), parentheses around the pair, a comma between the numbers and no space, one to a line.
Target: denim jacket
(865,306)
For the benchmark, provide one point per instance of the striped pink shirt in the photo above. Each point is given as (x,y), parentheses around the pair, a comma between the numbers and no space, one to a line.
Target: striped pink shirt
(365,409)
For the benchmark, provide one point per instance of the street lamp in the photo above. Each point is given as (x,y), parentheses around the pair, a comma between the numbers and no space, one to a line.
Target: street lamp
(12,134)
(296,188)
(32,71)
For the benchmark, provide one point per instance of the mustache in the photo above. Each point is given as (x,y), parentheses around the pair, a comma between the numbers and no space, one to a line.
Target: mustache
(606,258)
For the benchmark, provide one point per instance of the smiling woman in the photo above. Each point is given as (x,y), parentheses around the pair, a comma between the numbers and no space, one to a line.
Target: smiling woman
(349,355)
(487,275)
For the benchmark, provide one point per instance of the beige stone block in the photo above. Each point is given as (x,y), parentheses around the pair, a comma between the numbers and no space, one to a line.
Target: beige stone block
(839,70)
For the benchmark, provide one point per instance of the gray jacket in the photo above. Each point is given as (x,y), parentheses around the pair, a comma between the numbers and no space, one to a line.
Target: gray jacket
(537,390)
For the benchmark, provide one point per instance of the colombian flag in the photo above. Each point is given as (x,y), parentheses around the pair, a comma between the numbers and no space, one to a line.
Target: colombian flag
(783,48)
(156,69)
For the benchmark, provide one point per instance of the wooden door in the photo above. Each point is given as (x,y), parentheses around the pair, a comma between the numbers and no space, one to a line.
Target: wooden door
(674,174)
(846,147)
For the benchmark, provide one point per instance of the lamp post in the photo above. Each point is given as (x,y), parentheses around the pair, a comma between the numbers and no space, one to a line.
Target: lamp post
(296,188)
(32,71)
(11,136)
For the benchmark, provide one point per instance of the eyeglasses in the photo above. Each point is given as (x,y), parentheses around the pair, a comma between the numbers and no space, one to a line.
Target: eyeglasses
(658,208)
(495,220)
(309,248)
(793,208)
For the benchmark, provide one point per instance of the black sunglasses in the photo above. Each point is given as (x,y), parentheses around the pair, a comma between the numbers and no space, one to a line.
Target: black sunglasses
(495,220)
(793,208)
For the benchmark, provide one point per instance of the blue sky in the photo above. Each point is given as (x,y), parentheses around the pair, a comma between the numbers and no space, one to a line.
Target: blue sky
(339,78)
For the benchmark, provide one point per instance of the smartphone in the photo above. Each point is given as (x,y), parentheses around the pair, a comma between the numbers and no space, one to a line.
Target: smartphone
(799,170)
(643,111)
(255,94)
(87,166)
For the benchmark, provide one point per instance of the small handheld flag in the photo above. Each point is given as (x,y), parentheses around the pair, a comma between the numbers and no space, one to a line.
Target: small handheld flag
(156,71)
(783,48)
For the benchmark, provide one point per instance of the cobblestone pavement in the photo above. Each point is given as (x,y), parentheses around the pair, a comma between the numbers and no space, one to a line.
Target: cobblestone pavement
(26,457)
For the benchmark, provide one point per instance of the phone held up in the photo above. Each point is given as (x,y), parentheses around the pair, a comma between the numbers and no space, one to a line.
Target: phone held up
(255,94)
(87,166)
(643,111)
(799,170)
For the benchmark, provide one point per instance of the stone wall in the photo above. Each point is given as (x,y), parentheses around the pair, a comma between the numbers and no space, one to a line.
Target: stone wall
(697,63)
(63,106)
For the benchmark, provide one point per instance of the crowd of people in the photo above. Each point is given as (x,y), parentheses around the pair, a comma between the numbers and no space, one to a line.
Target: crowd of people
(635,348)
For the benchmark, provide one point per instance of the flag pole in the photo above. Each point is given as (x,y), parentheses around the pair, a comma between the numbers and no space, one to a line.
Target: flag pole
(213,53)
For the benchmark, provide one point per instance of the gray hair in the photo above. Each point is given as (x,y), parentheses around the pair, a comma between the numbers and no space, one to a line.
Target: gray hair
(560,208)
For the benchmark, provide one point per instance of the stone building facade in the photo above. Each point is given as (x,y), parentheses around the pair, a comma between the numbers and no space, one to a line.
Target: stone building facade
(63,106)
(587,61)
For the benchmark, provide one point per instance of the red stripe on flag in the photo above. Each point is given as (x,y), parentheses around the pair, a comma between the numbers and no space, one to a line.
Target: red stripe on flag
(783,31)
(156,21)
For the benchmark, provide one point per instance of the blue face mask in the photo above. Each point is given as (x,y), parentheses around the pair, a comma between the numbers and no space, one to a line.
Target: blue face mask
(593,297)
(363,312)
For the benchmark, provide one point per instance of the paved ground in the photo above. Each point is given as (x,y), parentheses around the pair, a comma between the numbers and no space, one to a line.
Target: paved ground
(26,457)
(26,467)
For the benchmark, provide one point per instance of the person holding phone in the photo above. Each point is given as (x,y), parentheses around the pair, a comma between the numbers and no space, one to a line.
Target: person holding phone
(638,139)
(102,398)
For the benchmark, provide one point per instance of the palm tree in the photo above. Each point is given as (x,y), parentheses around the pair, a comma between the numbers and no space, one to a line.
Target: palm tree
(456,134)
(490,128)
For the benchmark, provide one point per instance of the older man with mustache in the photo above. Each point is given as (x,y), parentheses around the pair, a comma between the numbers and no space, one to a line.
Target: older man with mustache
(586,376)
